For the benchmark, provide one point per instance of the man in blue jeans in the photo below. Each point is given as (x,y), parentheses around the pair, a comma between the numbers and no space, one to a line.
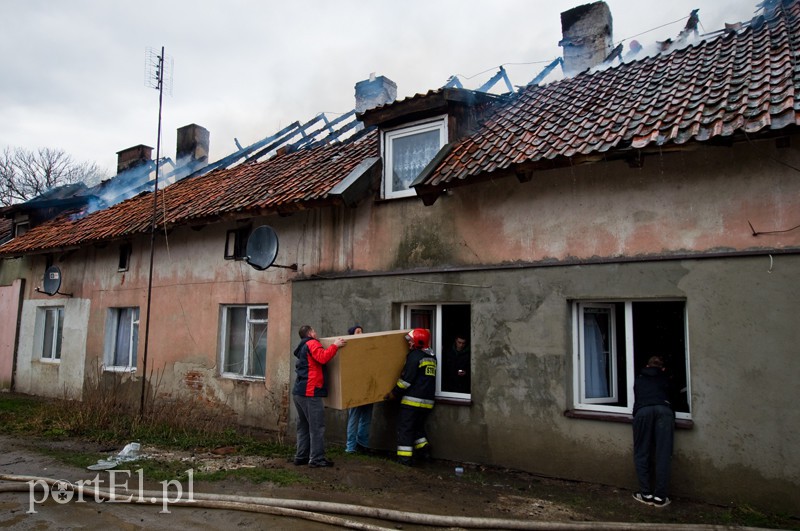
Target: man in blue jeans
(359,418)
(653,432)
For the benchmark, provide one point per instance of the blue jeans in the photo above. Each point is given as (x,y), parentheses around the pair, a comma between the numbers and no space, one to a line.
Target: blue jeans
(358,423)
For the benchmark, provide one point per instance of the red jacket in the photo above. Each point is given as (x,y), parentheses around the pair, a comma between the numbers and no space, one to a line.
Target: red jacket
(310,367)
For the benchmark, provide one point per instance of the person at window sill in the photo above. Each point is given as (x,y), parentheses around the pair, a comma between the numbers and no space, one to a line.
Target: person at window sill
(456,367)
(653,432)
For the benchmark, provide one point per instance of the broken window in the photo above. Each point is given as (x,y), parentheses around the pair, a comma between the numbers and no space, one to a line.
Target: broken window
(244,341)
(124,257)
(236,243)
(50,325)
(449,325)
(406,153)
(614,340)
(122,339)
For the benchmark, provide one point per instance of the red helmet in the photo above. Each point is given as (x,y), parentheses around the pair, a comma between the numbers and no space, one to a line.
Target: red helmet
(419,337)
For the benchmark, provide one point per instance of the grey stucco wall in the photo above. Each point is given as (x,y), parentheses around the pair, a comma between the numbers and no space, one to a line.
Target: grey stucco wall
(742,347)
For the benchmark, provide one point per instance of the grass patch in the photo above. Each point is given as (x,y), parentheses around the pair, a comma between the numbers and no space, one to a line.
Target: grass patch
(255,475)
(176,426)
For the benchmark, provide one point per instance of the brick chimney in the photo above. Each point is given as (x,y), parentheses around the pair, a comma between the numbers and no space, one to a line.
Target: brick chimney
(133,157)
(586,37)
(374,92)
(193,142)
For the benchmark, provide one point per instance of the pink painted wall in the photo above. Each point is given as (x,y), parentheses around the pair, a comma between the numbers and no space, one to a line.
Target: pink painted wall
(689,202)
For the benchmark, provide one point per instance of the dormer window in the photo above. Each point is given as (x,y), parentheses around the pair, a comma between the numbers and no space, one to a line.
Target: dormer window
(407,151)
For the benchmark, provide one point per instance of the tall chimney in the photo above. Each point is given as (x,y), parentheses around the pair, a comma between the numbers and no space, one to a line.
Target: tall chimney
(133,157)
(586,37)
(374,92)
(193,142)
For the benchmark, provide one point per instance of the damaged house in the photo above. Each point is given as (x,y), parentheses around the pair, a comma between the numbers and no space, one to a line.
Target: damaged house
(645,205)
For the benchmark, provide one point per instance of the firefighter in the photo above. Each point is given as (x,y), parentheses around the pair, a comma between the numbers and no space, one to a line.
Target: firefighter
(416,388)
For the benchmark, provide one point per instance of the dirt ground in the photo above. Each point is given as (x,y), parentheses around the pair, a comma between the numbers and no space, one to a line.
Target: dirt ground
(370,481)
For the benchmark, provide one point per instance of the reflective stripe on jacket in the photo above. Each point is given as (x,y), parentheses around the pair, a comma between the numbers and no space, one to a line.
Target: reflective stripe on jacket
(417,382)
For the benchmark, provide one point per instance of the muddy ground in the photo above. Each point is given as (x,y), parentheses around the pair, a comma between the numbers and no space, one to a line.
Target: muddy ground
(371,481)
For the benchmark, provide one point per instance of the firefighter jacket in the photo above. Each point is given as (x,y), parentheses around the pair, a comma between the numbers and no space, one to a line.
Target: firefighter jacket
(310,367)
(417,382)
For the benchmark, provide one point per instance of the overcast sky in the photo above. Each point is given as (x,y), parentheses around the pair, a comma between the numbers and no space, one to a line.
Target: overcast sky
(73,71)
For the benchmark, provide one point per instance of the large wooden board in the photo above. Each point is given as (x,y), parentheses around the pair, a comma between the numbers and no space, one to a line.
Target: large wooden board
(365,369)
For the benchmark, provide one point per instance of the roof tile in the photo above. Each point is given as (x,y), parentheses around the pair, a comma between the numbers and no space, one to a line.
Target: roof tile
(732,82)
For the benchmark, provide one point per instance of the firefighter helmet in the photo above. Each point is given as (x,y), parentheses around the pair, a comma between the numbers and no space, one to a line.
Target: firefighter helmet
(419,338)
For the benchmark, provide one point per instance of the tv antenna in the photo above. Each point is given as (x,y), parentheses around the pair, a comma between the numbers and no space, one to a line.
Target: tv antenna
(156,76)
(158,70)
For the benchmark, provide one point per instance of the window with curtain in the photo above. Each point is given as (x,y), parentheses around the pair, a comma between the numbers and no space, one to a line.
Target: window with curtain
(407,151)
(244,341)
(122,339)
(614,340)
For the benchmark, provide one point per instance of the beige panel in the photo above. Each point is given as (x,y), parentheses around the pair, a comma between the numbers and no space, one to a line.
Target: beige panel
(365,369)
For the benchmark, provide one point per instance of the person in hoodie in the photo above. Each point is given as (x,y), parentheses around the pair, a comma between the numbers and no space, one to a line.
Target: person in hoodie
(309,390)
(653,432)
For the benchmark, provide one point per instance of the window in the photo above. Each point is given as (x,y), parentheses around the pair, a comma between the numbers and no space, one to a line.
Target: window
(448,323)
(124,257)
(50,322)
(614,340)
(244,341)
(21,227)
(406,153)
(122,339)
(236,243)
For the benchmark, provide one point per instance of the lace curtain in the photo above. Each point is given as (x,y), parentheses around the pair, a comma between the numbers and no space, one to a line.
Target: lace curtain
(410,154)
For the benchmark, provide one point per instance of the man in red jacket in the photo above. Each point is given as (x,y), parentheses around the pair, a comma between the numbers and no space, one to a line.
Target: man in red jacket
(309,390)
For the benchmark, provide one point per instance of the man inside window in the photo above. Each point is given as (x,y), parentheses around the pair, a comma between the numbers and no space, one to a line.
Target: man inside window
(456,367)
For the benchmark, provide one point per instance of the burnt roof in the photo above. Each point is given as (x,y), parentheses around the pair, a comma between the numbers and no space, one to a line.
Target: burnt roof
(732,83)
(282,184)
(736,82)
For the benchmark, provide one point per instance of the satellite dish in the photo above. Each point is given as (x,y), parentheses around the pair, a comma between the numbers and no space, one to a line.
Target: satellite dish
(52,280)
(262,247)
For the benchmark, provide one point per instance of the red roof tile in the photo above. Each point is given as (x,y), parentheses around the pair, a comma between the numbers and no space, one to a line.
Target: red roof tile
(283,183)
(735,82)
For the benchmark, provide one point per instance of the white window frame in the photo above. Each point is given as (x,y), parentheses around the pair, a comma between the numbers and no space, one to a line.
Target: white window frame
(612,355)
(57,323)
(580,402)
(423,126)
(437,340)
(112,329)
(250,321)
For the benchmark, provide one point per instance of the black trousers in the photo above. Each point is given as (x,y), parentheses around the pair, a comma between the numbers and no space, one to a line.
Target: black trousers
(411,434)
(653,434)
